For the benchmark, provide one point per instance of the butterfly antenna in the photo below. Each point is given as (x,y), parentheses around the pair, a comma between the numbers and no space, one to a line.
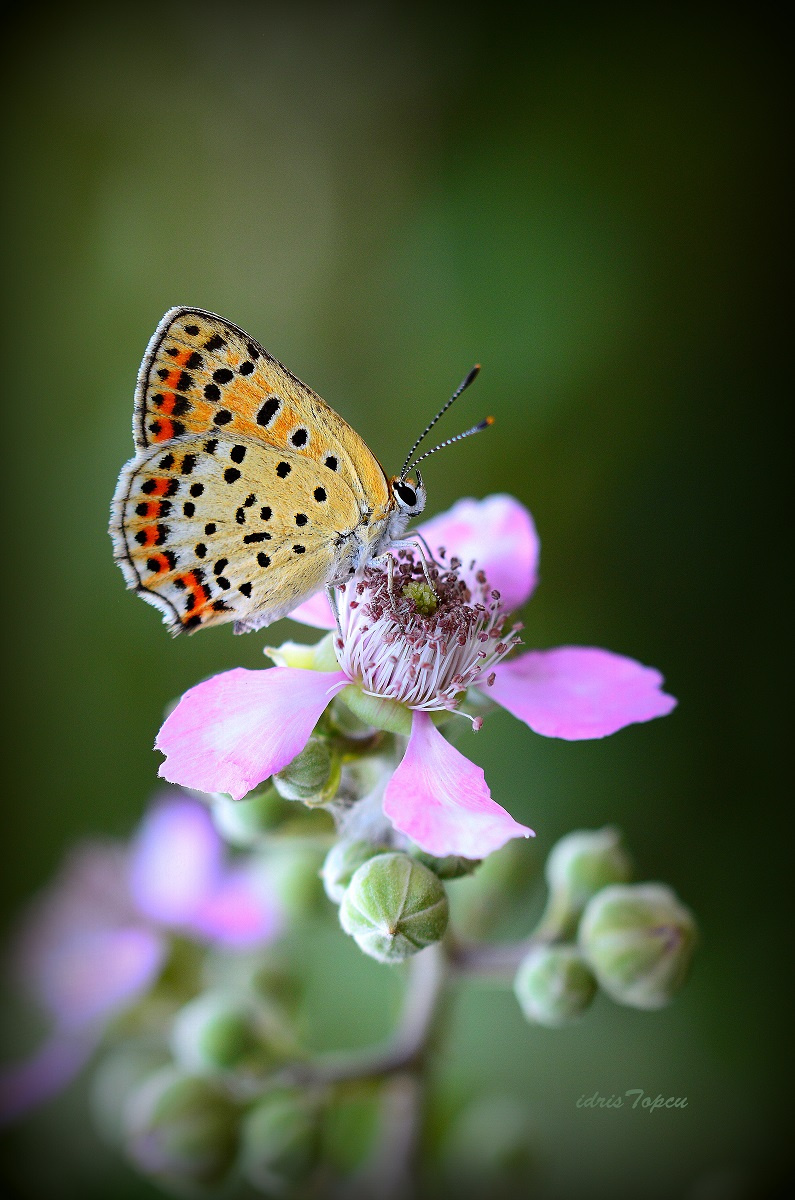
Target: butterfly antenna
(461,388)
(459,437)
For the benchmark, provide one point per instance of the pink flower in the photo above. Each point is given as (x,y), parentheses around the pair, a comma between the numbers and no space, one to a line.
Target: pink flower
(95,940)
(232,731)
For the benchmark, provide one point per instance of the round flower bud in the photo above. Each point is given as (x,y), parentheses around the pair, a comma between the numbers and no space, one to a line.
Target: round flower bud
(394,906)
(312,776)
(217,1033)
(280,1141)
(115,1077)
(554,985)
(341,862)
(579,866)
(249,821)
(181,1130)
(453,866)
(638,941)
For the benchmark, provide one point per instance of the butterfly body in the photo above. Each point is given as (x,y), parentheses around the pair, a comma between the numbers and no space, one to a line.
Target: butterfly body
(247,493)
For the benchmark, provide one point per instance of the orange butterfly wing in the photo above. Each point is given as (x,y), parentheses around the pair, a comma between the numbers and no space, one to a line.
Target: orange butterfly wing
(222,529)
(201,373)
(225,434)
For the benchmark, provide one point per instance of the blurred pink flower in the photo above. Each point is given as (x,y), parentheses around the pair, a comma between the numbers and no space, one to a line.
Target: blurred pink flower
(232,731)
(95,940)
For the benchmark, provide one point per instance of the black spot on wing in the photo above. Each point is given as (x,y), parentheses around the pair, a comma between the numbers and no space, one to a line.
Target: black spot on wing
(268,411)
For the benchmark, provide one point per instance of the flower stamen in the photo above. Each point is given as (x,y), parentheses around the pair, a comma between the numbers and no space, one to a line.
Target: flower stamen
(418,641)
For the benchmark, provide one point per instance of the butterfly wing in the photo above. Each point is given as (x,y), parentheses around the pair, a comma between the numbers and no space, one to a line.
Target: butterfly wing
(222,528)
(203,374)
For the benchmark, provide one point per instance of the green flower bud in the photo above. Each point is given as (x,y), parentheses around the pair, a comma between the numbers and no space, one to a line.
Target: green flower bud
(579,866)
(639,941)
(217,1033)
(249,821)
(450,867)
(312,776)
(394,906)
(342,861)
(118,1073)
(554,985)
(280,1141)
(181,1130)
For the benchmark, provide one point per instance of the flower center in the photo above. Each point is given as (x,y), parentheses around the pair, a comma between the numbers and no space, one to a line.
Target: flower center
(423,596)
(419,642)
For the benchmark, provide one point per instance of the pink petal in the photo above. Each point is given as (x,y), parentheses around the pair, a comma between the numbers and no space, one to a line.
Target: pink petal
(175,861)
(96,973)
(441,800)
(315,611)
(47,1072)
(577,692)
(241,912)
(234,730)
(499,534)
(88,893)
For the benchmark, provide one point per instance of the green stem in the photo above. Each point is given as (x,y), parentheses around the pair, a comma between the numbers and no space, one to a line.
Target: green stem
(405,1051)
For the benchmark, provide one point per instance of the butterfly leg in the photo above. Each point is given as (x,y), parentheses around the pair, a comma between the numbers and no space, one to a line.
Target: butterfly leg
(416,534)
(331,593)
(417,542)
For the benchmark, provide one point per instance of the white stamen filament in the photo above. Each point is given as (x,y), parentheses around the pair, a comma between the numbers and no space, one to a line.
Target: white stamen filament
(427,662)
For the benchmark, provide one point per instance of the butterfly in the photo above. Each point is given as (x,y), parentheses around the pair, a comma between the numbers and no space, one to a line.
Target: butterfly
(247,492)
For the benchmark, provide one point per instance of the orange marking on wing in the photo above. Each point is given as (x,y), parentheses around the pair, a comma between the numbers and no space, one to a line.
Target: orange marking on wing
(166,404)
(283,424)
(161,486)
(166,431)
(151,535)
(152,510)
(200,594)
(162,563)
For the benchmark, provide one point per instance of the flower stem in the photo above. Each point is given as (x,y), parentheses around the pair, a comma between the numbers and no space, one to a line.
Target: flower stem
(405,1051)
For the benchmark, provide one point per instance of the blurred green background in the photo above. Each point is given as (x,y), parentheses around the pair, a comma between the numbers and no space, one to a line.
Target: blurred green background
(592,204)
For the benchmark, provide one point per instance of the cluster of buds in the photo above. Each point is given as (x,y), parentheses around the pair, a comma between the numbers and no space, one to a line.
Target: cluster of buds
(335,771)
(634,941)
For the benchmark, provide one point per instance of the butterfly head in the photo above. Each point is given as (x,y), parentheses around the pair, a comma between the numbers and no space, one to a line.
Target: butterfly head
(409,496)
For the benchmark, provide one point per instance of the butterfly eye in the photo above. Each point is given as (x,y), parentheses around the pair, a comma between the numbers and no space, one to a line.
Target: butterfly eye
(406,495)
